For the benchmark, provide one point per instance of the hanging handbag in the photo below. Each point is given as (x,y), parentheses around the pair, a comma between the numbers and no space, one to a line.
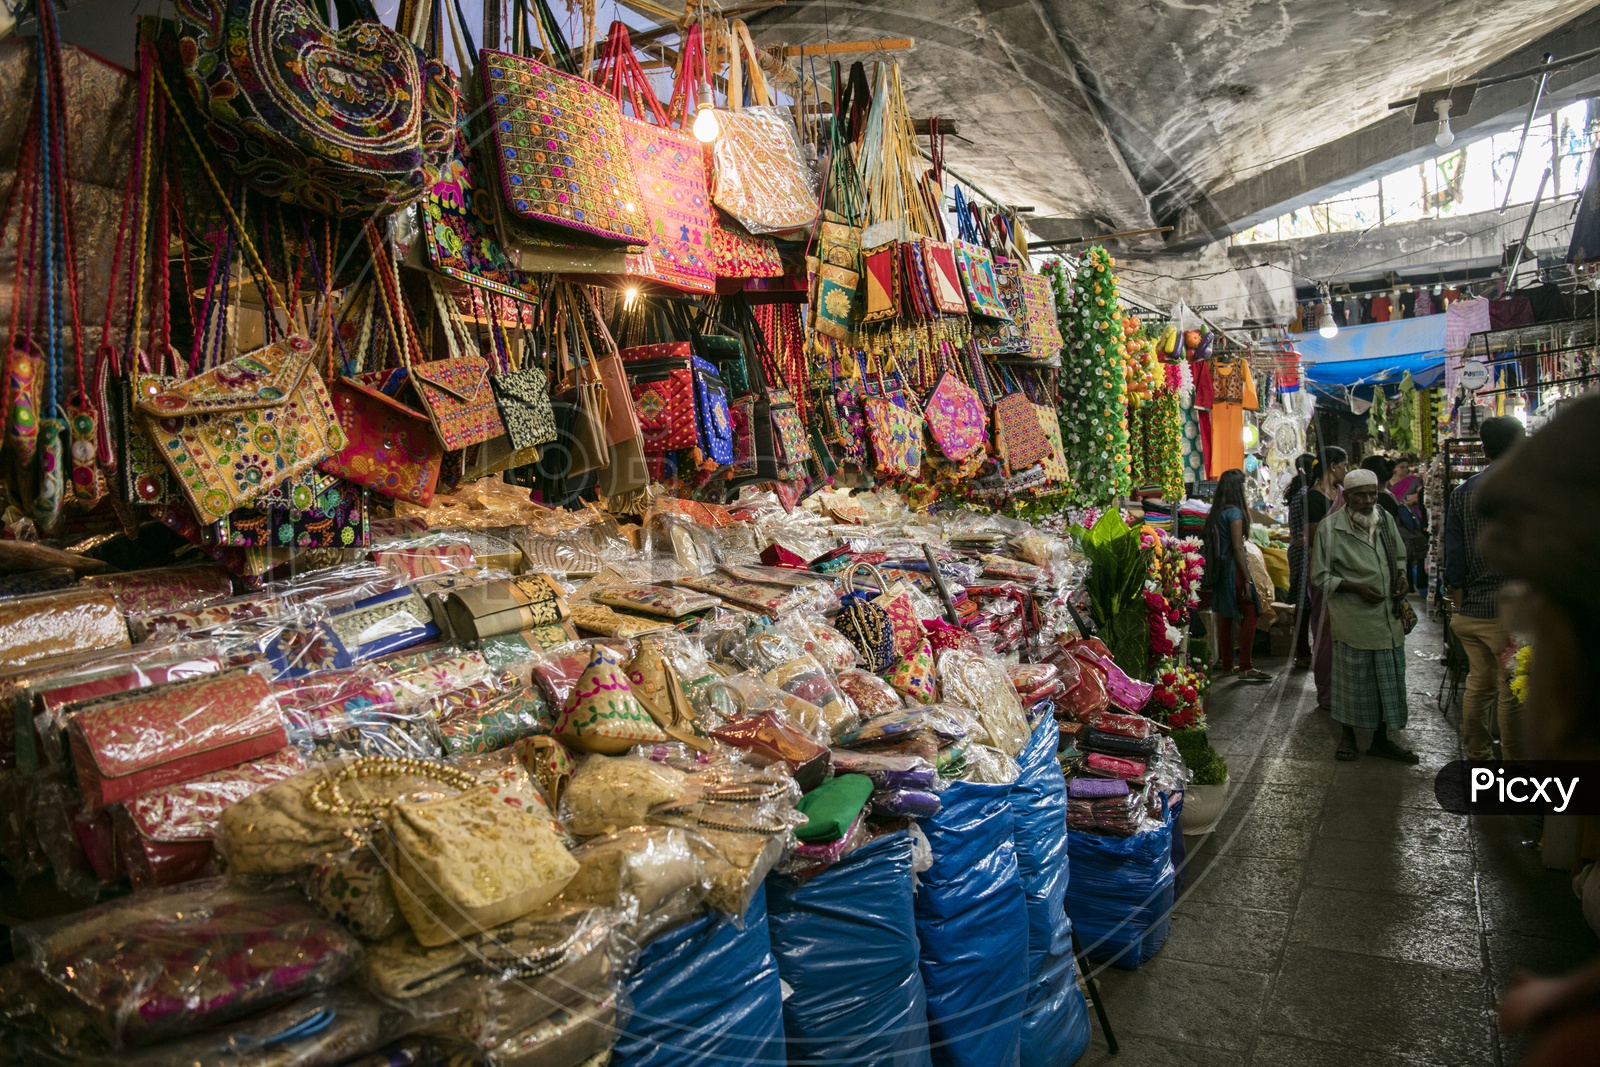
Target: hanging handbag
(711,413)
(344,123)
(233,433)
(895,432)
(563,162)
(865,623)
(390,448)
(955,417)
(881,268)
(1044,329)
(944,281)
(1018,434)
(455,391)
(975,264)
(322,511)
(673,176)
(661,377)
(759,174)
(834,300)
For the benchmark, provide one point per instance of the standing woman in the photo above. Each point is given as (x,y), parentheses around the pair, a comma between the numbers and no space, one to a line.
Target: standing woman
(1326,477)
(1233,594)
(1295,498)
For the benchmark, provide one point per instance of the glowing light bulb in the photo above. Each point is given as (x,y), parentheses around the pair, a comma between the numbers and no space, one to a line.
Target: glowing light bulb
(706,127)
(1327,327)
(629,295)
(1446,136)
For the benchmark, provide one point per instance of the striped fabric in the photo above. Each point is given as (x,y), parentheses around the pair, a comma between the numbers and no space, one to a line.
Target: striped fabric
(1369,686)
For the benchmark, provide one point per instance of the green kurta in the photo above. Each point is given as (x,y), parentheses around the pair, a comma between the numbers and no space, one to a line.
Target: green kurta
(1341,555)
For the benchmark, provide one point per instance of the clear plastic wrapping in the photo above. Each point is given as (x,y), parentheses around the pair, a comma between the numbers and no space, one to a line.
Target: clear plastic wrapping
(887,772)
(170,963)
(980,683)
(59,624)
(609,793)
(635,872)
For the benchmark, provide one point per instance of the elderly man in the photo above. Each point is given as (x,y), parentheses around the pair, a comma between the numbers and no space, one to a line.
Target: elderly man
(1359,564)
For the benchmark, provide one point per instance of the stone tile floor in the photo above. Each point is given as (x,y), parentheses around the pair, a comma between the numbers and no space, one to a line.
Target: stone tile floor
(1336,915)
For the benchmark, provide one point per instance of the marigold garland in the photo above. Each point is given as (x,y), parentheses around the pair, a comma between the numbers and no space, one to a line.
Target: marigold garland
(1094,412)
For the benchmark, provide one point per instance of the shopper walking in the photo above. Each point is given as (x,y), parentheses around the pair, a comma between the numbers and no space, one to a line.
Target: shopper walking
(1321,499)
(1294,498)
(1233,593)
(1358,564)
(1474,588)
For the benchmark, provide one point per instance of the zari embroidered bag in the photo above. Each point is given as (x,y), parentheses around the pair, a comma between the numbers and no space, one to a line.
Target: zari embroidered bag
(563,161)
(344,123)
(236,431)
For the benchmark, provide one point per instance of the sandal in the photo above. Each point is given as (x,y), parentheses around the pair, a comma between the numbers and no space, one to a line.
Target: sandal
(1253,675)
(1347,751)
(1387,749)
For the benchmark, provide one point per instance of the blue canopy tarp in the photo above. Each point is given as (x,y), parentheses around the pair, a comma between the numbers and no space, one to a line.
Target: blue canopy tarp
(1377,353)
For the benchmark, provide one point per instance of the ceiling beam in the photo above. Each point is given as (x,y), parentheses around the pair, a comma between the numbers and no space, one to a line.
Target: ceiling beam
(1387,145)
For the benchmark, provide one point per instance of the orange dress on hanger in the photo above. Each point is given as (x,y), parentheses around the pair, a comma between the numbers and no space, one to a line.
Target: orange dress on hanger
(1233,391)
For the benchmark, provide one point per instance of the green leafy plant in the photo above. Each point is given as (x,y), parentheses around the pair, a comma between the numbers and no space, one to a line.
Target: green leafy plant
(1205,763)
(1118,565)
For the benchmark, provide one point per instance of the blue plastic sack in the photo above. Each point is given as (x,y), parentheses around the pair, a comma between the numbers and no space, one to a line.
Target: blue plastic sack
(1120,897)
(706,992)
(846,944)
(972,922)
(1055,1028)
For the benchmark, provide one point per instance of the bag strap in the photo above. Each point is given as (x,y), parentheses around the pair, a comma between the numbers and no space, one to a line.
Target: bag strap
(691,72)
(740,41)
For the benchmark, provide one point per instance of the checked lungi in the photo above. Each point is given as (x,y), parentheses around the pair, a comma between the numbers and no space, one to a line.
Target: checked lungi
(1369,687)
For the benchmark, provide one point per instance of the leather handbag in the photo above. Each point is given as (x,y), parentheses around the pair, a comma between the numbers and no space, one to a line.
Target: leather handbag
(163,836)
(344,123)
(759,175)
(587,185)
(473,861)
(390,447)
(128,744)
(231,434)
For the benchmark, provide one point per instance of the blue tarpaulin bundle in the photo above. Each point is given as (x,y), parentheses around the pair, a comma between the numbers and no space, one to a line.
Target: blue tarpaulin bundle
(1055,1029)
(972,923)
(706,993)
(846,944)
(1120,897)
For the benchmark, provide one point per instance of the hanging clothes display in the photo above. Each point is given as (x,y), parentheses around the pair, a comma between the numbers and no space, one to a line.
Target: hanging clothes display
(1233,392)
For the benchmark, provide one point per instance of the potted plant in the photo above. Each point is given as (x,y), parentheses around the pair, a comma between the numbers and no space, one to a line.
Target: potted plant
(1207,792)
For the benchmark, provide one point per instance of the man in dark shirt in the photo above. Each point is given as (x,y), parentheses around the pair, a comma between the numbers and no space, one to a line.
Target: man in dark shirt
(1474,594)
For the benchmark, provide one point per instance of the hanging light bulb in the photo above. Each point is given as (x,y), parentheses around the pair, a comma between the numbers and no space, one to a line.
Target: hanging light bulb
(1325,325)
(629,295)
(706,127)
(1446,136)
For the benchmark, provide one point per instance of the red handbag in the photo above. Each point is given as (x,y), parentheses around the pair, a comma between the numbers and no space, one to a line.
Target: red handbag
(164,836)
(392,447)
(661,380)
(944,281)
(171,734)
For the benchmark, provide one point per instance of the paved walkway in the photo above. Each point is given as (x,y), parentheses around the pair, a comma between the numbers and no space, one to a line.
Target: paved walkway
(1337,916)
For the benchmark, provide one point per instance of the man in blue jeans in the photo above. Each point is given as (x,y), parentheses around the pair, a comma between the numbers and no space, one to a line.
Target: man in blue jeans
(1474,590)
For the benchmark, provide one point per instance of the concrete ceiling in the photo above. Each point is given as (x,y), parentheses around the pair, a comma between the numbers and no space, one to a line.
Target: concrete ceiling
(1116,115)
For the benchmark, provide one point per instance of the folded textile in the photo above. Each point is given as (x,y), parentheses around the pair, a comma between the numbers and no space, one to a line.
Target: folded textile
(1097,787)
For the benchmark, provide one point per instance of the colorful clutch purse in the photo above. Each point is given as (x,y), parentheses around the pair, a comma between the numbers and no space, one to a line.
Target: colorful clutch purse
(867,626)
(896,435)
(563,160)
(458,399)
(383,624)
(655,600)
(125,745)
(324,511)
(164,836)
(390,448)
(505,606)
(1044,329)
(915,675)
(164,589)
(234,432)
(736,254)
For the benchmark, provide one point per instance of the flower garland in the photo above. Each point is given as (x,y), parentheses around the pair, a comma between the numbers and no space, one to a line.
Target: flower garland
(1165,442)
(1094,414)
(1176,700)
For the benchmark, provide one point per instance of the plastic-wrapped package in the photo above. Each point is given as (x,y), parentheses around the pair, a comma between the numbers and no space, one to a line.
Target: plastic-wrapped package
(332,588)
(609,793)
(163,836)
(845,943)
(818,855)
(819,638)
(503,719)
(803,676)
(168,626)
(1120,895)
(769,735)
(572,553)
(887,772)
(635,871)
(972,925)
(423,555)
(705,992)
(988,765)
(737,864)
(872,696)
(163,589)
(568,1037)
(980,683)
(355,712)
(908,803)
(1056,1026)
(384,623)
(158,966)
(59,624)
(751,694)
(942,721)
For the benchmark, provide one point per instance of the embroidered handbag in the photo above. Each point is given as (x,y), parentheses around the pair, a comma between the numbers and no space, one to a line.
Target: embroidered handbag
(759,174)
(343,123)
(711,413)
(663,396)
(737,255)
(127,744)
(835,300)
(234,432)
(998,337)
(975,263)
(881,268)
(1055,461)
(655,600)
(790,442)
(1018,433)
(505,606)
(323,511)
(457,231)
(896,435)
(473,861)
(563,161)
(915,675)
(944,281)
(384,623)
(746,461)
(671,169)
(865,622)
(458,399)
(601,713)
(955,418)
(390,447)
(1044,329)
(523,396)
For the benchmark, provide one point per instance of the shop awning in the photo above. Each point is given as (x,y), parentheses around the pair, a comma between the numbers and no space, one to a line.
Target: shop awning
(1378,353)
